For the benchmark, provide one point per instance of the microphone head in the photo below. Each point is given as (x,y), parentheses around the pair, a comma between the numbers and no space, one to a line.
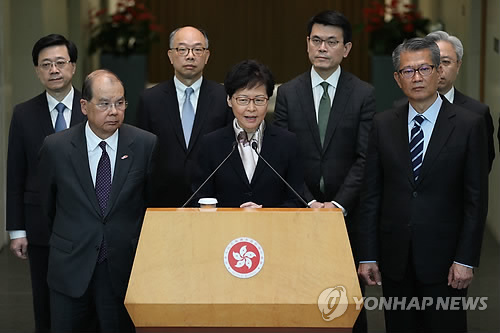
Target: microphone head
(234,144)
(254,145)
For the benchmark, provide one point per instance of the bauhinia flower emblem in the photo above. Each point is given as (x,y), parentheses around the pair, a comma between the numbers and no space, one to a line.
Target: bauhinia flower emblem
(244,257)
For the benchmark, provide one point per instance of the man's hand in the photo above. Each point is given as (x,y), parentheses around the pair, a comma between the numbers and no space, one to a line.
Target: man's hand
(19,246)
(370,274)
(460,276)
(329,204)
(317,204)
(250,205)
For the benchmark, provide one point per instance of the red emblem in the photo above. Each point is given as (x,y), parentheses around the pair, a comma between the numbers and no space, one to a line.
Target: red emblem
(244,257)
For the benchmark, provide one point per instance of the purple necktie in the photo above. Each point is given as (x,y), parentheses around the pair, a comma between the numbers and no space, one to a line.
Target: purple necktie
(102,191)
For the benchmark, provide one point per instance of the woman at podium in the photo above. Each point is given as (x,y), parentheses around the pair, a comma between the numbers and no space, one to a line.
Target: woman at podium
(239,152)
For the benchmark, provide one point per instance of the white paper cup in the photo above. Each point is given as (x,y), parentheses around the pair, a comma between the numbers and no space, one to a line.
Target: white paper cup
(208,203)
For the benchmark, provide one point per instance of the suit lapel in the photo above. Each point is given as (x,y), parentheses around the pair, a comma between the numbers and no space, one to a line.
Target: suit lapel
(304,91)
(402,141)
(235,158)
(171,106)
(80,161)
(203,108)
(339,106)
(267,142)
(76,112)
(122,165)
(440,134)
(459,98)
(43,115)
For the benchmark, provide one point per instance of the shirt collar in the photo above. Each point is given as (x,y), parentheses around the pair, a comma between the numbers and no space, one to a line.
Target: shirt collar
(93,140)
(181,87)
(67,101)
(430,114)
(332,80)
(450,95)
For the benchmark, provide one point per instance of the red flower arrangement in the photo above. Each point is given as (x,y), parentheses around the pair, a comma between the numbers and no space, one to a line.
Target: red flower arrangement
(130,30)
(390,25)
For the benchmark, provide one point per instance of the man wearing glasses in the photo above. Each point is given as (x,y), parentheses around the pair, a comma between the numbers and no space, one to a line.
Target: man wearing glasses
(54,110)
(94,193)
(180,111)
(330,110)
(424,199)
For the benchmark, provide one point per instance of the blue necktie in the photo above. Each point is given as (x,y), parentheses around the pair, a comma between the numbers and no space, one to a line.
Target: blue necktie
(417,145)
(102,191)
(60,122)
(187,116)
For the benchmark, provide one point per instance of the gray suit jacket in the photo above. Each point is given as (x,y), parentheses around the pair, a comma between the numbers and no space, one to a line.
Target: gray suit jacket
(70,203)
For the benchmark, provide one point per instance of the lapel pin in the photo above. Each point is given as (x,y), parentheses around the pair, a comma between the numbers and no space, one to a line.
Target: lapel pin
(124,157)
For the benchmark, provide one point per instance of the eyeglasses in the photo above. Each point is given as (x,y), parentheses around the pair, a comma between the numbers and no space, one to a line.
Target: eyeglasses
(120,105)
(258,101)
(330,42)
(60,64)
(424,70)
(184,51)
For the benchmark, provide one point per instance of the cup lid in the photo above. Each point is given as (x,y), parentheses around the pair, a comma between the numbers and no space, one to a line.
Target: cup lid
(207,201)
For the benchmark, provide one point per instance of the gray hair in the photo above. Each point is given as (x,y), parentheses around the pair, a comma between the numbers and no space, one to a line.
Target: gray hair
(172,35)
(454,41)
(416,44)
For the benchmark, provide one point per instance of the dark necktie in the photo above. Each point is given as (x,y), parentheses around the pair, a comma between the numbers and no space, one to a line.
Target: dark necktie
(102,191)
(60,122)
(417,145)
(324,112)
(187,116)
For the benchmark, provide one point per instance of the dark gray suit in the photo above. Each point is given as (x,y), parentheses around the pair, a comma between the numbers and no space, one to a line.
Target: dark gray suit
(30,124)
(70,203)
(341,161)
(416,229)
(158,113)
(475,106)
(230,184)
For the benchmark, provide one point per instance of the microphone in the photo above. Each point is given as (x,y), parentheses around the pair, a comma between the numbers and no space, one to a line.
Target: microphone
(210,176)
(255,146)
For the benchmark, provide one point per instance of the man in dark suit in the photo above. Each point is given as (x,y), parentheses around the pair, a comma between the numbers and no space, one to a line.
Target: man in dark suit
(244,180)
(330,110)
(94,192)
(54,58)
(424,199)
(452,51)
(180,111)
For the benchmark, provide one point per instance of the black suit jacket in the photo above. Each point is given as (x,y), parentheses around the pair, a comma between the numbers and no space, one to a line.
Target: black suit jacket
(341,161)
(439,218)
(30,124)
(158,113)
(230,183)
(70,203)
(477,107)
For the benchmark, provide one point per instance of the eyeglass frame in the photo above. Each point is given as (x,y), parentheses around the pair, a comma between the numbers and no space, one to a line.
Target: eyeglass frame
(327,42)
(266,99)
(99,106)
(189,49)
(400,72)
(59,64)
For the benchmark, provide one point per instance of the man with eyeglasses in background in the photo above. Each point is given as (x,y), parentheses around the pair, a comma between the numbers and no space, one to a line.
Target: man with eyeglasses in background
(330,110)
(452,51)
(425,198)
(54,110)
(180,111)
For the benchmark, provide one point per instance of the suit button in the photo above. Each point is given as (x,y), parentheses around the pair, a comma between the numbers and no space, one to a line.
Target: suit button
(415,194)
(249,194)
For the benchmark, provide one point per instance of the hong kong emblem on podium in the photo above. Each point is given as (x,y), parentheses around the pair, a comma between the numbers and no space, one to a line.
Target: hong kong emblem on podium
(244,257)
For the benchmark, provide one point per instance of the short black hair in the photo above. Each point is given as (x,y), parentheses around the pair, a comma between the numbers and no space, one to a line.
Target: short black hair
(249,74)
(54,40)
(334,18)
(87,93)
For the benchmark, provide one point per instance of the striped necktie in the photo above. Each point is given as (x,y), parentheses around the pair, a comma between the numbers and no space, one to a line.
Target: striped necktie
(417,145)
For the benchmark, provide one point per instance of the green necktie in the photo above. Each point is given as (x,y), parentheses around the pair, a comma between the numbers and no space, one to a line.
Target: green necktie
(323,112)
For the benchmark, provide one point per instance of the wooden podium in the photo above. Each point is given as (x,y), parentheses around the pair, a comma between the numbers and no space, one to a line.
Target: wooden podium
(179,281)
